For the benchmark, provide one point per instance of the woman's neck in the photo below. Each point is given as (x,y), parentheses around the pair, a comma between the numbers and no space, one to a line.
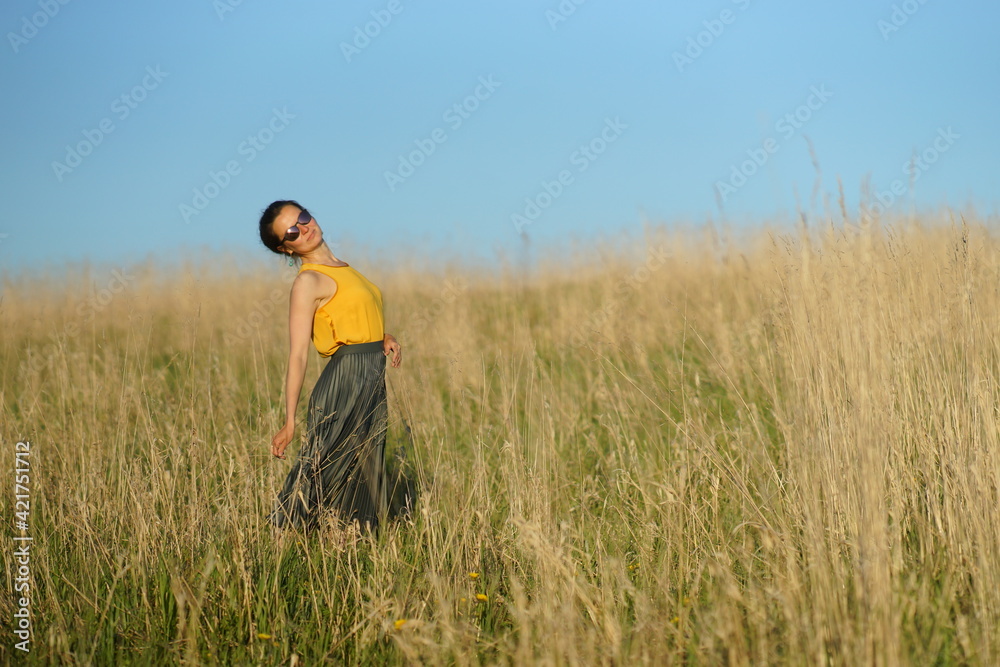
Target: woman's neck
(321,255)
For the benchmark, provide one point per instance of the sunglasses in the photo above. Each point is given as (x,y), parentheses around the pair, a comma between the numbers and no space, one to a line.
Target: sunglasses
(293,232)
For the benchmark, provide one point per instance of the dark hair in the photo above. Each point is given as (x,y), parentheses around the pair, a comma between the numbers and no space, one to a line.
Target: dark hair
(267,235)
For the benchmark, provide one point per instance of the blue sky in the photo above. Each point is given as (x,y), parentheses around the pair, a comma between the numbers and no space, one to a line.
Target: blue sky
(136,130)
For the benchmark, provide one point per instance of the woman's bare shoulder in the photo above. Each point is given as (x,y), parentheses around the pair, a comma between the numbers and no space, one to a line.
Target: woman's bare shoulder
(313,284)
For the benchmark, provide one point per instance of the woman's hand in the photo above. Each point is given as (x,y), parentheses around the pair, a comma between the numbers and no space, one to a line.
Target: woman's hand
(391,346)
(281,440)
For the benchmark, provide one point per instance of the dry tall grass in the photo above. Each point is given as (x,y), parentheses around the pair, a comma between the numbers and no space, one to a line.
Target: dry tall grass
(781,450)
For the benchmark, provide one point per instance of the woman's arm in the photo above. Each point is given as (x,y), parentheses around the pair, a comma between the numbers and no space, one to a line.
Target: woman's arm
(391,346)
(301,310)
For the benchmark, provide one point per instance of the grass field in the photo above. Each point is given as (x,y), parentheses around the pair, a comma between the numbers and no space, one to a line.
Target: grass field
(782,448)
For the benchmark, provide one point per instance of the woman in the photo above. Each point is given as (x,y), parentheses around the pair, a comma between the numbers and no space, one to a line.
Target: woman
(341,463)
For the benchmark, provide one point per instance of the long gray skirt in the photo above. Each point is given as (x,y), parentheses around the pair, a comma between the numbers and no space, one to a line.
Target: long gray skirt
(341,465)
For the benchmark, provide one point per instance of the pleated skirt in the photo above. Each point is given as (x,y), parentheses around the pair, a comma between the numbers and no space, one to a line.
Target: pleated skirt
(340,468)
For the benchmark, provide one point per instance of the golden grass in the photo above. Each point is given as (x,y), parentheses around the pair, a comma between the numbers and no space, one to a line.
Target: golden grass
(782,449)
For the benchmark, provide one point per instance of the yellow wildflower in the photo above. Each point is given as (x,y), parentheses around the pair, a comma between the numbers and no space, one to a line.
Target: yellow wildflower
(263,635)
(400,623)
(473,575)
(481,597)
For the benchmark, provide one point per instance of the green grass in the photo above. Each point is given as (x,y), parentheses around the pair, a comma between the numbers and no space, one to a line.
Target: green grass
(774,460)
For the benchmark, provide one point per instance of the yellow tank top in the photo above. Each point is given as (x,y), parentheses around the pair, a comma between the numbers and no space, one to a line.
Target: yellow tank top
(353,315)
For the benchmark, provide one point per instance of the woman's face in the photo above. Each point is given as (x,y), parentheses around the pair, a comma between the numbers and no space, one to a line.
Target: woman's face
(310,235)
